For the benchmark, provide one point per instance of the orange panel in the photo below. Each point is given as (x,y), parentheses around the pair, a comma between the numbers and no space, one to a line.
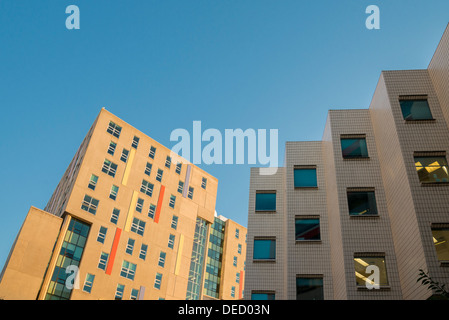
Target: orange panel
(118,232)
(159,204)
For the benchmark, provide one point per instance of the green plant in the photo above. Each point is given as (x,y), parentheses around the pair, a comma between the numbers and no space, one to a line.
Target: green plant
(438,289)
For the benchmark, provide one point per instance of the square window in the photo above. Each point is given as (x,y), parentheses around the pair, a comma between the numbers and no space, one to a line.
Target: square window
(89,204)
(138,226)
(309,288)
(440,236)
(147,188)
(134,294)
(305,177)
(362,272)
(114,129)
(109,168)
(264,249)
(415,108)
(307,229)
(128,270)
(362,203)
(266,201)
(353,148)
(432,169)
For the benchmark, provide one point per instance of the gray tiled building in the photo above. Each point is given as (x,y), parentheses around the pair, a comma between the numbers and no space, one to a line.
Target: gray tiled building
(370,202)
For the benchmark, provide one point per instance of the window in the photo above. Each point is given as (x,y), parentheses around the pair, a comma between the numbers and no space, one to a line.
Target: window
(264,249)
(305,177)
(113,193)
(103,261)
(161,262)
(265,201)
(440,236)
(234,263)
(178,167)
(128,270)
(139,205)
(172,201)
(115,215)
(147,188)
(203,183)
(190,194)
(143,251)
(432,169)
(89,204)
(353,147)
(125,154)
(159,175)
(362,262)
(168,162)
(148,168)
(174,222)
(134,294)
(237,277)
(111,148)
(239,248)
(102,234)
(237,233)
(307,229)
(130,246)
(135,142)
(233,291)
(180,186)
(88,283)
(256,295)
(361,203)
(138,226)
(152,152)
(151,211)
(415,108)
(171,241)
(109,168)
(158,280)
(119,292)
(93,182)
(114,129)
(309,288)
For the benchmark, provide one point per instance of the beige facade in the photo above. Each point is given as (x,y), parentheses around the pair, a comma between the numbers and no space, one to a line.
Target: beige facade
(128,214)
(405,202)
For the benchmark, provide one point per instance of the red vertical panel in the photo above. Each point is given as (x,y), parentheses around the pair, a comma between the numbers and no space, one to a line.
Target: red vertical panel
(118,232)
(241,285)
(159,204)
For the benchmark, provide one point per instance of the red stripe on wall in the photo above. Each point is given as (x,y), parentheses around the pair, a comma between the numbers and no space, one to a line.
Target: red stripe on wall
(159,204)
(241,285)
(118,232)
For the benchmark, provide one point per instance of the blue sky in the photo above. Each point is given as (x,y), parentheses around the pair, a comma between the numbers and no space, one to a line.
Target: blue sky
(230,64)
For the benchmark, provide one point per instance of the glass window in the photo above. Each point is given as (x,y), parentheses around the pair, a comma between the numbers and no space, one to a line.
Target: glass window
(113,193)
(124,156)
(147,188)
(88,283)
(263,296)
(171,241)
(135,142)
(138,226)
(361,263)
(234,263)
(266,201)
(307,229)
(158,280)
(180,186)
(178,167)
(134,294)
(130,246)
(119,292)
(440,241)
(152,152)
(128,270)
(109,168)
(432,169)
(417,109)
(151,211)
(203,183)
(354,148)
(190,194)
(143,251)
(168,162)
(148,168)
(159,175)
(237,233)
(115,215)
(102,234)
(233,291)
(264,249)
(111,148)
(114,129)
(305,178)
(309,288)
(103,261)
(174,222)
(362,203)
(139,205)
(172,201)
(89,204)
(161,262)
(93,182)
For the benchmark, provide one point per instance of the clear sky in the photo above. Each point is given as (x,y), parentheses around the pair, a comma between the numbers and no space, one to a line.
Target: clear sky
(160,65)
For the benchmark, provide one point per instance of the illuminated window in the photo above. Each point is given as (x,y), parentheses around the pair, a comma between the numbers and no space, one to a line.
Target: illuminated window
(415,108)
(362,272)
(432,169)
(440,236)
(354,147)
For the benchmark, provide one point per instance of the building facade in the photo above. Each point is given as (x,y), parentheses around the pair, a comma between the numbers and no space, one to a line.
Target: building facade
(128,220)
(360,213)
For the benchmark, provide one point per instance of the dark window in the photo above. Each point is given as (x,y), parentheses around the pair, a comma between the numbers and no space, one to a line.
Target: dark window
(415,109)
(305,178)
(264,249)
(307,229)
(309,288)
(266,201)
(262,296)
(362,203)
(354,147)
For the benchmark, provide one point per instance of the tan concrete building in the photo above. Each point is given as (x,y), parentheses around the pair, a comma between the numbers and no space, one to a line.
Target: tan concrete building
(128,220)
(358,214)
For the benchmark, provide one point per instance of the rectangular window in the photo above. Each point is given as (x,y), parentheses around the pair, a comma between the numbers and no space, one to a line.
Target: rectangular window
(256,295)
(309,288)
(109,168)
(124,156)
(415,108)
(134,294)
(93,182)
(158,281)
(128,270)
(139,205)
(432,169)
(233,291)
(234,262)
(115,215)
(180,186)
(172,201)
(266,201)
(135,142)
(143,251)
(152,152)
(168,162)
(362,272)
(119,292)
(159,175)
(237,233)
(130,246)
(174,222)
(113,193)
(440,235)
(148,168)
(114,129)
(239,248)
(151,211)
(305,177)
(111,148)
(171,241)
(90,204)
(88,283)
(161,262)
(102,234)
(264,249)
(103,261)
(178,167)
(361,203)
(307,229)
(190,194)
(138,226)
(147,188)
(353,147)
(203,183)
(237,277)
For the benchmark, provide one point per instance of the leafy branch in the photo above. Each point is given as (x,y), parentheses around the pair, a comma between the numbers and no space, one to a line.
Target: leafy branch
(438,289)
